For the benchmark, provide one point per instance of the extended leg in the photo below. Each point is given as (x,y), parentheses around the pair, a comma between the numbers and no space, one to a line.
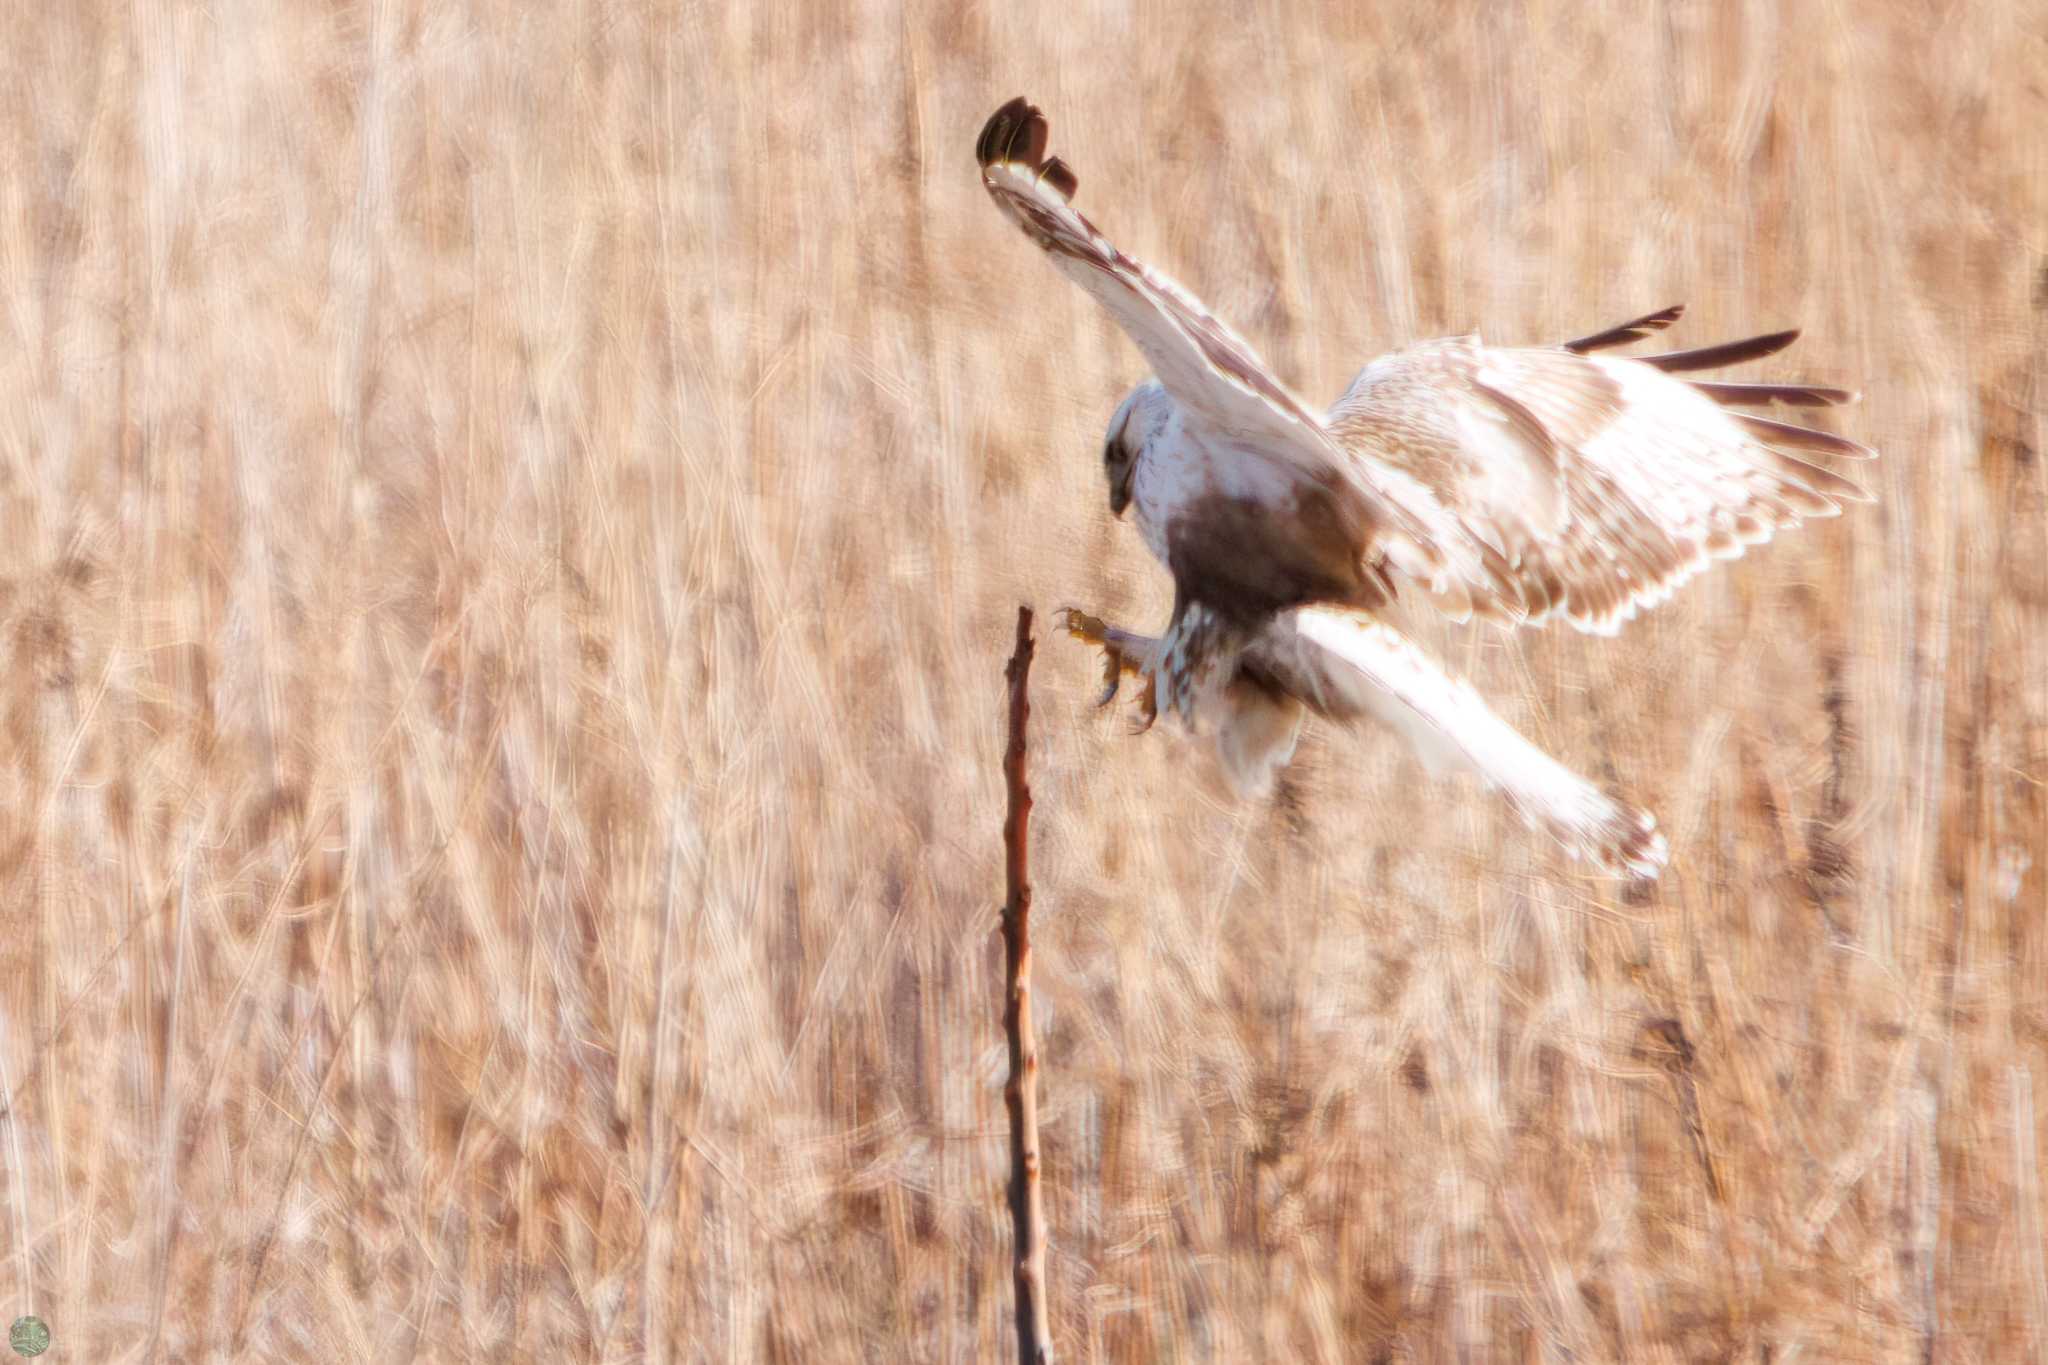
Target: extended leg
(1123,652)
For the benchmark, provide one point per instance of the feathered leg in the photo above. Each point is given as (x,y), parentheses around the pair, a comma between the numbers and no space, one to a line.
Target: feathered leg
(1197,660)
(1256,723)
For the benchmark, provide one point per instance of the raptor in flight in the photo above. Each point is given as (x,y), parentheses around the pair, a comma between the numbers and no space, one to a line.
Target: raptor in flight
(1511,483)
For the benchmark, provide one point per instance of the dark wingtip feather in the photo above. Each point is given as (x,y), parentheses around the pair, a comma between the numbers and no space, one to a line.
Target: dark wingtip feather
(1762,395)
(1632,845)
(1010,133)
(1821,483)
(1776,433)
(1635,329)
(1727,353)
(1061,177)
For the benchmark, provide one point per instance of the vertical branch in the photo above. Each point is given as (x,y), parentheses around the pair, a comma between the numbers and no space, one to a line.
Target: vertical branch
(1027,1207)
(2027,1194)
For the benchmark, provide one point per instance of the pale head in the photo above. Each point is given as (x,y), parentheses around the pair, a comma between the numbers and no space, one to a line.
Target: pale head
(1139,420)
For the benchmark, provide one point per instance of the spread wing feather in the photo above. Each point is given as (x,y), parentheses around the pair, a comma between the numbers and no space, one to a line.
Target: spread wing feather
(1723,354)
(1635,329)
(1604,482)
(1763,395)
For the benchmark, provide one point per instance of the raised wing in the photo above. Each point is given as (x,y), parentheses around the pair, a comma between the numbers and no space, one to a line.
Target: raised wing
(1206,366)
(1603,482)
(1213,374)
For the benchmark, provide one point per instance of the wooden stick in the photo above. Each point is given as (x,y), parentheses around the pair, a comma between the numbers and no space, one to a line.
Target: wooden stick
(1027,1207)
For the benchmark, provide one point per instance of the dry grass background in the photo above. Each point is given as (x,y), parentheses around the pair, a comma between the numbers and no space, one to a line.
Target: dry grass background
(512,518)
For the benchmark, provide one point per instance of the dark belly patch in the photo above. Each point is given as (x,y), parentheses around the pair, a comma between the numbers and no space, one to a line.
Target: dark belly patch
(1247,558)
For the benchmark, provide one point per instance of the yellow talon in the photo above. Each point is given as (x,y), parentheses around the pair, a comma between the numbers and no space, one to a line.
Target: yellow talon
(1083,627)
(1115,663)
(1112,674)
(1148,706)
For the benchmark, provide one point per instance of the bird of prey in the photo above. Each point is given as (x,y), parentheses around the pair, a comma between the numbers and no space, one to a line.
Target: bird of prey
(1514,484)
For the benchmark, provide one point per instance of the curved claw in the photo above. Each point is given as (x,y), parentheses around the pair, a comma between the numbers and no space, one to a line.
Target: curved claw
(1112,675)
(1090,630)
(1148,707)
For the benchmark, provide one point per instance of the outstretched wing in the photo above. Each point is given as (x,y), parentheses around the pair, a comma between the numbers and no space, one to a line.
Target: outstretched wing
(1213,374)
(1207,367)
(1345,665)
(1603,482)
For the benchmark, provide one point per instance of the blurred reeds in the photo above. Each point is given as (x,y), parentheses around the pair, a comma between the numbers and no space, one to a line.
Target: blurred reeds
(509,518)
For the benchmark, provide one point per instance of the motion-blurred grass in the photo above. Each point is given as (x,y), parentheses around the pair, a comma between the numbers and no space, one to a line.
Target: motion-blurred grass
(511,524)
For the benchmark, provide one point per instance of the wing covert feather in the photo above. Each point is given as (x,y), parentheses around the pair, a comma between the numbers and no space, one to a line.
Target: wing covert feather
(1604,482)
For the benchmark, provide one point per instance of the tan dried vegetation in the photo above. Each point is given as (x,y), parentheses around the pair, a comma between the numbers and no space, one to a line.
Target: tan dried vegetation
(513,517)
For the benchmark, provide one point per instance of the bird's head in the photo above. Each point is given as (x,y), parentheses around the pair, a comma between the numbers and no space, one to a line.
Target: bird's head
(1139,420)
